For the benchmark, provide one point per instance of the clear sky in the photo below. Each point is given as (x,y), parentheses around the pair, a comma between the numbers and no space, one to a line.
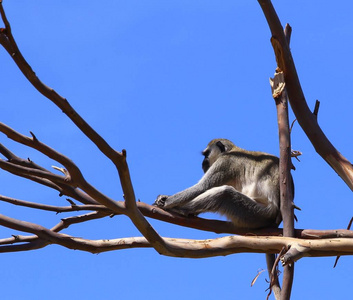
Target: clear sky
(161,79)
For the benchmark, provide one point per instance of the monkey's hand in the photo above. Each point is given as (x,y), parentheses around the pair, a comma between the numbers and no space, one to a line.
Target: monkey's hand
(160,201)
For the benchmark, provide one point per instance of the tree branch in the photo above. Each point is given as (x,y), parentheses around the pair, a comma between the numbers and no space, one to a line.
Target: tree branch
(192,248)
(305,117)
(63,188)
(286,188)
(210,225)
(117,158)
(36,242)
(57,209)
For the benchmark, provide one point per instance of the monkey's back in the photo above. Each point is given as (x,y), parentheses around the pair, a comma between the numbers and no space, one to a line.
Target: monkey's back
(255,174)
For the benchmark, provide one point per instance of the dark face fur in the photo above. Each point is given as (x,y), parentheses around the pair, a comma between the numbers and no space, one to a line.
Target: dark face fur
(205,163)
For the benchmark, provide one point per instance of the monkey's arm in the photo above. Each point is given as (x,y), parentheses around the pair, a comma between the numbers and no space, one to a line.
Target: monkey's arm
(212,178)
(179,198)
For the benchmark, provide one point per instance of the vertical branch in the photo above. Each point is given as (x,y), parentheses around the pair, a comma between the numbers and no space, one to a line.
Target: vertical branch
(287,209)
(286,187)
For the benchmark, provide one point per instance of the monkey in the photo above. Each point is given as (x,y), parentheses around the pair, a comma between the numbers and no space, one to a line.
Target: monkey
(240,184)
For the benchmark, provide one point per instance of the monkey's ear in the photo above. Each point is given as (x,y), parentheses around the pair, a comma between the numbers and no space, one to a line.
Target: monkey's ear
(221,146)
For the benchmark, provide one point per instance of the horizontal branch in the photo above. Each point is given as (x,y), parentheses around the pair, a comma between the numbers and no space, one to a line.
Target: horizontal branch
(57,209)
(211,225)
(24,243)
(192,248)
(31,244)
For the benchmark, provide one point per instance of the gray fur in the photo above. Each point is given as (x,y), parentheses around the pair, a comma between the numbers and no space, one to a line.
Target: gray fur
(240,184)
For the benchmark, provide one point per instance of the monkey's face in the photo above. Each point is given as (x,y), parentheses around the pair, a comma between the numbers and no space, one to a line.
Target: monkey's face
(211,153)
(214,150)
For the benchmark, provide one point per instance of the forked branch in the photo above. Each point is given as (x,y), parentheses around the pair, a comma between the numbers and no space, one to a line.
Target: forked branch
(118,158)
(305,117)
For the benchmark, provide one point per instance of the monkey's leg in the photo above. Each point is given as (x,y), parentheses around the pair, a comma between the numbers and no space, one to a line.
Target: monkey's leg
(243,211)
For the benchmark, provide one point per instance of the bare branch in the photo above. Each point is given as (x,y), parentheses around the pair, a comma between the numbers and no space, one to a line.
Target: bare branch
(192,248)
(36,242)
(32,173)
(57,209)
(31,245)
(286,188)
(74,179)
(63,188)
(305,117)
(210,225)
(117,158)
(279,93)
(66,222)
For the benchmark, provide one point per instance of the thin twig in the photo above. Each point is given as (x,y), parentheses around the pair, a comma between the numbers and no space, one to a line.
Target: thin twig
(348,228)
(316,109)
(57,209)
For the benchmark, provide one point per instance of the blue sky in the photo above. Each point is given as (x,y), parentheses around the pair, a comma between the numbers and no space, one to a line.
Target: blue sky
(161,79)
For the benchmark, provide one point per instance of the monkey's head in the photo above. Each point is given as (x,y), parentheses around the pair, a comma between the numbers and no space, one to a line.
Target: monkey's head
(214,149)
